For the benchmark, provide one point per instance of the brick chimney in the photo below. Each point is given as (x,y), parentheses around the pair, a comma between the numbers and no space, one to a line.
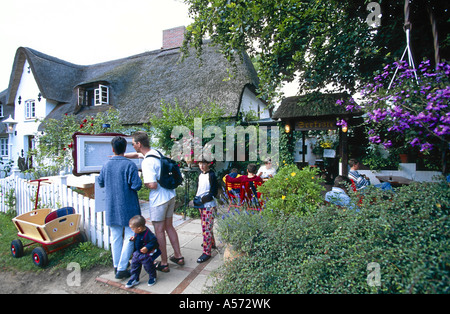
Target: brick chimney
(173,38)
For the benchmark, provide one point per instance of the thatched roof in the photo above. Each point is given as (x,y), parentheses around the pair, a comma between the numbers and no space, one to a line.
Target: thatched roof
(54,77)
(3,97)
(312,105)
(139,83)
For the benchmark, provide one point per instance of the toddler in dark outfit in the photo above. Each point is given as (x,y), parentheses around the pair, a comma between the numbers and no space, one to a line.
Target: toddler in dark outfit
(146,250)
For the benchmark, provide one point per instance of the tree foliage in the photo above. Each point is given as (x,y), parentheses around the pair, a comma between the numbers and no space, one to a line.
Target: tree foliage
(174,115)
(323,42)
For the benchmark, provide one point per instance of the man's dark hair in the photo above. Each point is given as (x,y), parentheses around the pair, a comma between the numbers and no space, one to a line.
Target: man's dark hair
(353,162)
(142,137)
(119,145)
(251,168)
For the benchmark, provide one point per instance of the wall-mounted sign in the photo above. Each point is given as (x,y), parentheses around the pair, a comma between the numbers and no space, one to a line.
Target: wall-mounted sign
(311,124)
(91,152)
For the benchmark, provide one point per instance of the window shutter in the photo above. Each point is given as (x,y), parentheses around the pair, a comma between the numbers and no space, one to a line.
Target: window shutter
(97,97)
(102,95)
(80,96)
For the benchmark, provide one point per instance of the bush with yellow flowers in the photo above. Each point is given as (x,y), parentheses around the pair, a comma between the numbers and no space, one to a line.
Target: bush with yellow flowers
(292,191)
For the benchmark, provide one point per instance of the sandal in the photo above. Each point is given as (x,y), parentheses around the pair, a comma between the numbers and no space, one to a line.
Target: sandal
(203,258)
(178,261)
(163,268)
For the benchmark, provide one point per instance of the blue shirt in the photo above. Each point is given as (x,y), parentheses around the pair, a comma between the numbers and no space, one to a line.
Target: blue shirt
(337,196)
(145,238)
(120,177)
(359,180)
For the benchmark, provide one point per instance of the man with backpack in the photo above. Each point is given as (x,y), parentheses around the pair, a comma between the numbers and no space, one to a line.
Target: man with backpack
(161,199)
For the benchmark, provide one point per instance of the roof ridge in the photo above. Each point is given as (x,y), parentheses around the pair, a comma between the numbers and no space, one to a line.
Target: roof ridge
(136,56)
(42,55)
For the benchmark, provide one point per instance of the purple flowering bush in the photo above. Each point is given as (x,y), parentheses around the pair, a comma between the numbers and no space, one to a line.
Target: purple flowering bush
(408,107)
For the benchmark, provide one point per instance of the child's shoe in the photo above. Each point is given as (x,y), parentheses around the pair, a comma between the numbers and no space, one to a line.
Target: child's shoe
(151,282)
(131,283)
(203,258)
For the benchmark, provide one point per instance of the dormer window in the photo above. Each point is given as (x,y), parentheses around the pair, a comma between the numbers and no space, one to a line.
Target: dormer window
(93,95)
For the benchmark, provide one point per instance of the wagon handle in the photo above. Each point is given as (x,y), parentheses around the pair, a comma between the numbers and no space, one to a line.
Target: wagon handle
(37,193)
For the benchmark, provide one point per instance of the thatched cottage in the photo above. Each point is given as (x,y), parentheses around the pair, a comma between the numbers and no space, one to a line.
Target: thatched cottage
(42,86)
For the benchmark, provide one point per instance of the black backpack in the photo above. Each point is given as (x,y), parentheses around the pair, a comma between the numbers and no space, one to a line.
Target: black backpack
(170,177)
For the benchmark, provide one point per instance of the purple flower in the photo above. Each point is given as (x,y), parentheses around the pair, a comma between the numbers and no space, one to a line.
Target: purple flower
(425,147)
(446,118)
(387,144)
(342,123)
(442,130)
(420,106)
(375,139)
(415,142)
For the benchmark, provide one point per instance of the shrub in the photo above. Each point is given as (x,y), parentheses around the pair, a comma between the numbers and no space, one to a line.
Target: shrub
(406,234)
(240,228)
(292,191)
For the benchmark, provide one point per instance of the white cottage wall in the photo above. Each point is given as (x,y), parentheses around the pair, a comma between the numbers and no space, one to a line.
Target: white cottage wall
(251,102)
(27,128)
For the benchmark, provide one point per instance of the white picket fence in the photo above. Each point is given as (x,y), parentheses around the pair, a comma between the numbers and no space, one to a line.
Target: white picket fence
(55,195)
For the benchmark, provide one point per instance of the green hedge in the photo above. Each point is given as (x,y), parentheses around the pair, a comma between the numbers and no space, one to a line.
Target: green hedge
(292,191)
(406,233)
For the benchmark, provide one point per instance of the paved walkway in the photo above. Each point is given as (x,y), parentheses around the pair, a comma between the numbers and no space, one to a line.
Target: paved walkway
(188,279)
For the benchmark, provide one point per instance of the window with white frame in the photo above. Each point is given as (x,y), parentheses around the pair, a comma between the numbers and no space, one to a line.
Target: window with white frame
(102,95)
(93,95)
(1,111)
(4,147)
(30,109)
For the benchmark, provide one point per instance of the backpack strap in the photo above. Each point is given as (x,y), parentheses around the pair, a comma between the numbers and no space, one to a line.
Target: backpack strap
(161,155)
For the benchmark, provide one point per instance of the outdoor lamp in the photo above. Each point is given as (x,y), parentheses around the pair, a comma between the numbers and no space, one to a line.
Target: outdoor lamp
(10,124)
(287,128)
(344,128)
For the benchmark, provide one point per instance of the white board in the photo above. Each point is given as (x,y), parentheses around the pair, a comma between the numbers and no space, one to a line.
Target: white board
(91,152)
(100,197)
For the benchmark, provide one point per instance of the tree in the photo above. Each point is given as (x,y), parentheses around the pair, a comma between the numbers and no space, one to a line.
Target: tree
(173,115)
(323,42)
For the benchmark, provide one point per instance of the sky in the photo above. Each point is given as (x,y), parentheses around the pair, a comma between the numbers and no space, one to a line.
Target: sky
(85,31)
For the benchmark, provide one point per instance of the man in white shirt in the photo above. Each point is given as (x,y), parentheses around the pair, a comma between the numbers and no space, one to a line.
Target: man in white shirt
(267,171)
(161,201)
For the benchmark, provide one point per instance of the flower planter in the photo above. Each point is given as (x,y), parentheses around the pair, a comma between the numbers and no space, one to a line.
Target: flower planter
(404,158)
(230,253)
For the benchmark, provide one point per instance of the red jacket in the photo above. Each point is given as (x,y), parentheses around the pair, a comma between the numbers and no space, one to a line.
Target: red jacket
(243,179)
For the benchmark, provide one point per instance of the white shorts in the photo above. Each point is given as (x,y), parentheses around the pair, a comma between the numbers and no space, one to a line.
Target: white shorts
(163,211)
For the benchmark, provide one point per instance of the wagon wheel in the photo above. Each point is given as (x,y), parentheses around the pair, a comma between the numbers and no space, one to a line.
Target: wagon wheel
(82,237)
(17,248)
(39,257)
